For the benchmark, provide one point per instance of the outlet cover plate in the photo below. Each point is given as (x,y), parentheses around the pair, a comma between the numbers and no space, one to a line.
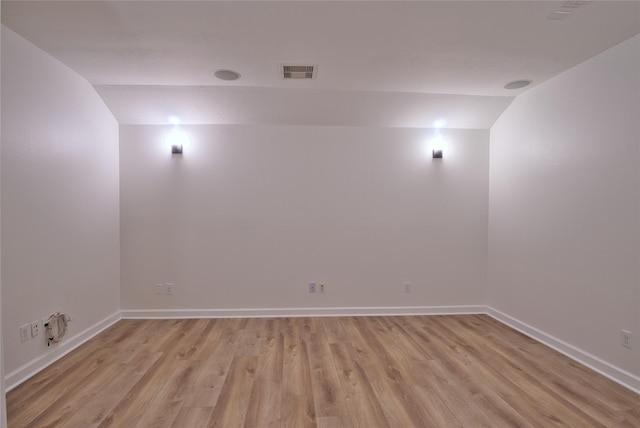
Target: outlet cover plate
(35,328)
(25,332)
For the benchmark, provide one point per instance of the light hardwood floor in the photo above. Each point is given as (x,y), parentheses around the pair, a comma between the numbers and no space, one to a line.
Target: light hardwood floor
(414,371)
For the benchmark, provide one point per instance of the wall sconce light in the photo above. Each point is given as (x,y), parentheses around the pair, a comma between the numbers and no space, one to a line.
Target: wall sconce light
(438,146)
(177,140)
(176,149)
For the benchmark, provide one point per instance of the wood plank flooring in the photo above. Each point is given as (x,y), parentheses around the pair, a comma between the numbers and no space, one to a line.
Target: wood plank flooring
(370,372)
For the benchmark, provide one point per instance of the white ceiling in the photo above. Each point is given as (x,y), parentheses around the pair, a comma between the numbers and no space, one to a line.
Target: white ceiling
(386,63)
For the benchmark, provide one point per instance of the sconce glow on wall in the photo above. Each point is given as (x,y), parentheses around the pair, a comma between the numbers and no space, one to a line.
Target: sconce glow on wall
(177,140)
(438,145)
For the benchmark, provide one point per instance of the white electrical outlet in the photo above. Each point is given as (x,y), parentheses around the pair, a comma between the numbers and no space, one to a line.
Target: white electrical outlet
(406,287)
(25,332)
(168,288)
(322,288)
(35,328)
(625,338)
(312,287)
(573,4)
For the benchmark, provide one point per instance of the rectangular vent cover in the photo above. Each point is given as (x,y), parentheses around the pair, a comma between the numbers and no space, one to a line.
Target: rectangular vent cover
(290,71)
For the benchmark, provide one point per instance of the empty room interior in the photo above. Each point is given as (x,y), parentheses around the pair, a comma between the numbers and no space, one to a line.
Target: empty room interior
(320,213)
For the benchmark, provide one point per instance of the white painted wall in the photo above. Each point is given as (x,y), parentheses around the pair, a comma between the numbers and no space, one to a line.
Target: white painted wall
(3,401)
(564,229)
(252,214)
(60,208)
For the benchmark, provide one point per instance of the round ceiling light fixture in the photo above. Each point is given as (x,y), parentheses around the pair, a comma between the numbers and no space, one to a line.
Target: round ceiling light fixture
(517,84)
(227,75)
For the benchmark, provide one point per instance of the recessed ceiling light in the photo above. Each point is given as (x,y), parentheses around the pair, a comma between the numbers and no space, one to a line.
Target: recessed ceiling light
(227,75)
(517,84)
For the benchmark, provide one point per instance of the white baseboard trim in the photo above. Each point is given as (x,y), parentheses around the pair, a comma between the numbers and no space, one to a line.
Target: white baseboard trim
(301,312)
(616,374)
(56,352)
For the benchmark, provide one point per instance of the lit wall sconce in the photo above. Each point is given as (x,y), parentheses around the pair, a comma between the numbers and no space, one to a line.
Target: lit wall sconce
(177,140)
(176,149)
(438,146)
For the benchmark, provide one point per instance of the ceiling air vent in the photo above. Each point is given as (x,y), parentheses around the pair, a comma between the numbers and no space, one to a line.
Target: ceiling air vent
(290,71)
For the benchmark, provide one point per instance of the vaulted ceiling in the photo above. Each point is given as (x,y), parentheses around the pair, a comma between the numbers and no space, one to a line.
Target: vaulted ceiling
(384,63)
